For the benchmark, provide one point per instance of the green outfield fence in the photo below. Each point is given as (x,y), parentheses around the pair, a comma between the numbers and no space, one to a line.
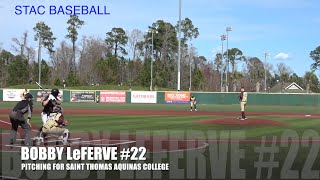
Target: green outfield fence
(207,97)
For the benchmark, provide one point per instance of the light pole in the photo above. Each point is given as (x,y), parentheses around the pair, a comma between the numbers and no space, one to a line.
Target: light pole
(265,71)
(190,67)
(227,29)
(223,37)
(152,57)
(179,46)
(39,56)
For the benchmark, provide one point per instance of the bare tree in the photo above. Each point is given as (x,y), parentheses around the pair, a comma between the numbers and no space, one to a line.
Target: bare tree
(60,60)
(93,49)
(135,36)
(30,54)
(284,72)
(20,46)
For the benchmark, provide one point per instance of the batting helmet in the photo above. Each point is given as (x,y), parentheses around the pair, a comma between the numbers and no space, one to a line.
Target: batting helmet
(55,92)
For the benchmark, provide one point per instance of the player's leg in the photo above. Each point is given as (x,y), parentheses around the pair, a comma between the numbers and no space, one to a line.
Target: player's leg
(27,132)
(39,137)
(66,135)
(58,131)
(242,111)
(195,106)
(14,129)
(191,106)
(44,118)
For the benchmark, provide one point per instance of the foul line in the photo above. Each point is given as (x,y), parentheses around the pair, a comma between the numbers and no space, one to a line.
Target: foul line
(5,122)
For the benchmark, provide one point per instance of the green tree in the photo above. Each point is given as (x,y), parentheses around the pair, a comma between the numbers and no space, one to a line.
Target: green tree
(18,71)
(44,36)
(74,23)
(235,55)
(299,80)
(312,79)
(284,72)
(162,76)
(108,69)
(197,79)
(315,55)
(5,58)
(72,79)
(57,82)
(256,69)
(117,39)
(188,30)
(218,62)
(235,79)
(145,76)
(45,71)
(165,41)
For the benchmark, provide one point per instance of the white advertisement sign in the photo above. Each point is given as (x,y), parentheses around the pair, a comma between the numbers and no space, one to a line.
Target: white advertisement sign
(143,97)
(12,94)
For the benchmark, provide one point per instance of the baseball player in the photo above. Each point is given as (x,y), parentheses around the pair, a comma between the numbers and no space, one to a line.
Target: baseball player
(17,119)
(49,102)
(97,99)
(51,106)
(243,102)
(193,103)
(56,127)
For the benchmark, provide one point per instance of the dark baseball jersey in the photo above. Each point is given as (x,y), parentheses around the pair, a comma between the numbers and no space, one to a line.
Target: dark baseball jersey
(22,108)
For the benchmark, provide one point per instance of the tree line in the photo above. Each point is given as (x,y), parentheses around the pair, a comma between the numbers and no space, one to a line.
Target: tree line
(125,57)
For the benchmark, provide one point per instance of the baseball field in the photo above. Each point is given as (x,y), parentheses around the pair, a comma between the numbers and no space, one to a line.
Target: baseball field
(277,142)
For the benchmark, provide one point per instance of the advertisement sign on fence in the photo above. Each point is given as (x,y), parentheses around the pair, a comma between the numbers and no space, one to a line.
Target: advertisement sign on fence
(12,94)
(143,97)
(82,96)
(113,96)
(177,97)
(42,94)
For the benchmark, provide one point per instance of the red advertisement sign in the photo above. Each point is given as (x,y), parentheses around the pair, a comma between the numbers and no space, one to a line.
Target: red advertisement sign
(113,96)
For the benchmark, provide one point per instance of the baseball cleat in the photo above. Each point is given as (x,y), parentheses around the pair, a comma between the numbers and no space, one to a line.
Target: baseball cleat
(191,110)
(196,110)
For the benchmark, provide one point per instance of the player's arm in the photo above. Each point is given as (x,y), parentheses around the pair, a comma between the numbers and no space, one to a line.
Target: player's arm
(45,101)
(29,115)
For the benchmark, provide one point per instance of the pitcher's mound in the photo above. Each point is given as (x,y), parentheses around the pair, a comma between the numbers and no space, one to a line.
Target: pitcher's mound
(247,122)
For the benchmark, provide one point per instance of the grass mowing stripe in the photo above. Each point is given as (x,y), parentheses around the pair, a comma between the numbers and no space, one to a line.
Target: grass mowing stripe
(147,124)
